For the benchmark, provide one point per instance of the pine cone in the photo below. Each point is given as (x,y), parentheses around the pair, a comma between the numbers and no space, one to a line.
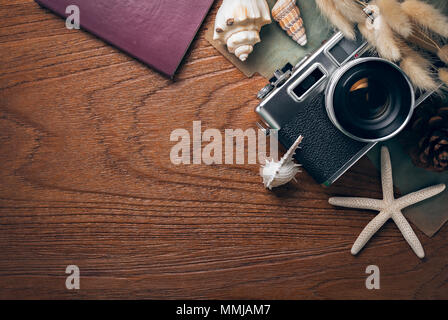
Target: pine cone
(429,127)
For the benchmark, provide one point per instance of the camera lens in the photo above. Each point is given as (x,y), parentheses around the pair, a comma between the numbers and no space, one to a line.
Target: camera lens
(370,99)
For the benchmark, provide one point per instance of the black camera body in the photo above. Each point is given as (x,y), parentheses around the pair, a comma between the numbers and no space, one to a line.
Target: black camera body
(296,102)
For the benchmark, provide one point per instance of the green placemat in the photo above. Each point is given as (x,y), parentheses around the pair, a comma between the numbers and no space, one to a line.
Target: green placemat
(276,47)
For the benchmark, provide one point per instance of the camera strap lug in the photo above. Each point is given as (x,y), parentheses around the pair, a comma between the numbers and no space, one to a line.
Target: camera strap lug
(279,78)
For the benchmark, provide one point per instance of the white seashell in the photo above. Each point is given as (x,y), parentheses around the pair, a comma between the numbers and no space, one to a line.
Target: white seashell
(238,24)
(276,174)
(287,14)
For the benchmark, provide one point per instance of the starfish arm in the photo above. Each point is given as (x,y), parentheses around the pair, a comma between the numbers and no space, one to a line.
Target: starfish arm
(415,197)
(386,175)
(408,234)
(370,230)
(357,203)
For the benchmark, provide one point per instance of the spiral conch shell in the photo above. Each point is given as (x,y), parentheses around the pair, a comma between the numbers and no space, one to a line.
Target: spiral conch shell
(276,174)
(287,14)
(238,24)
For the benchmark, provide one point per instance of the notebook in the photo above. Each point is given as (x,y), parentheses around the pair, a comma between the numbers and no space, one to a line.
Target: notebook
(157,32)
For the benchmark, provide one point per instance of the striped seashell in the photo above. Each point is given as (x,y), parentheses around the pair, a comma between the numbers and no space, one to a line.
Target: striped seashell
(287,14)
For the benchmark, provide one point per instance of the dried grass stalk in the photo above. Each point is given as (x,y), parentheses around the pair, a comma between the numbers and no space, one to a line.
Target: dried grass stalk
(386,42)
(329,9)
(443,75)
(418,69)
(395,16)
(382,39)
(443,53)
(368,34)
(351,10)
(427,16)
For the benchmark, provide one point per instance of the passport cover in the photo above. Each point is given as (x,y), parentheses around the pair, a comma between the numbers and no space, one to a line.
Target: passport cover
(157,32)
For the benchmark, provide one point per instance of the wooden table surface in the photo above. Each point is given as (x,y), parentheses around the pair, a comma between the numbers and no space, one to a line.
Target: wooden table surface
(86,179)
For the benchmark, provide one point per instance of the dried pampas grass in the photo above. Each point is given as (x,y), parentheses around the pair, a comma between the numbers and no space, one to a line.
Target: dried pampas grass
(386,42)
(381,36)
(418,69)
(390,26)
(395,17)
(329,9)
(443,54)
(443,75)
(426,16)
(368,34)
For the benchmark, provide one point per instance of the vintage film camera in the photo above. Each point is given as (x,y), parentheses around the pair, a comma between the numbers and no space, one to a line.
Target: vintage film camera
(342,100)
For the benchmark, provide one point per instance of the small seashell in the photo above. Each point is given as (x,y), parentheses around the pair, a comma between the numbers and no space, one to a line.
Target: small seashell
(287,14)
(276,174)
(238,24)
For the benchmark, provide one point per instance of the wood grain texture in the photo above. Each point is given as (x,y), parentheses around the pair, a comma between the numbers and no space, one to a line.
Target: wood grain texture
(86,179)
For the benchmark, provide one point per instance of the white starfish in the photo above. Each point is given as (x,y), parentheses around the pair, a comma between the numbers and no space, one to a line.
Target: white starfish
(389,207)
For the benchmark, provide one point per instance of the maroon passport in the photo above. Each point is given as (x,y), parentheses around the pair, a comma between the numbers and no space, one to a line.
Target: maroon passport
(157,32)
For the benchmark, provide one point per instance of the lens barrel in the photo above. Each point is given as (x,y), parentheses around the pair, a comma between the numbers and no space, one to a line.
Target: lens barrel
(370,99)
